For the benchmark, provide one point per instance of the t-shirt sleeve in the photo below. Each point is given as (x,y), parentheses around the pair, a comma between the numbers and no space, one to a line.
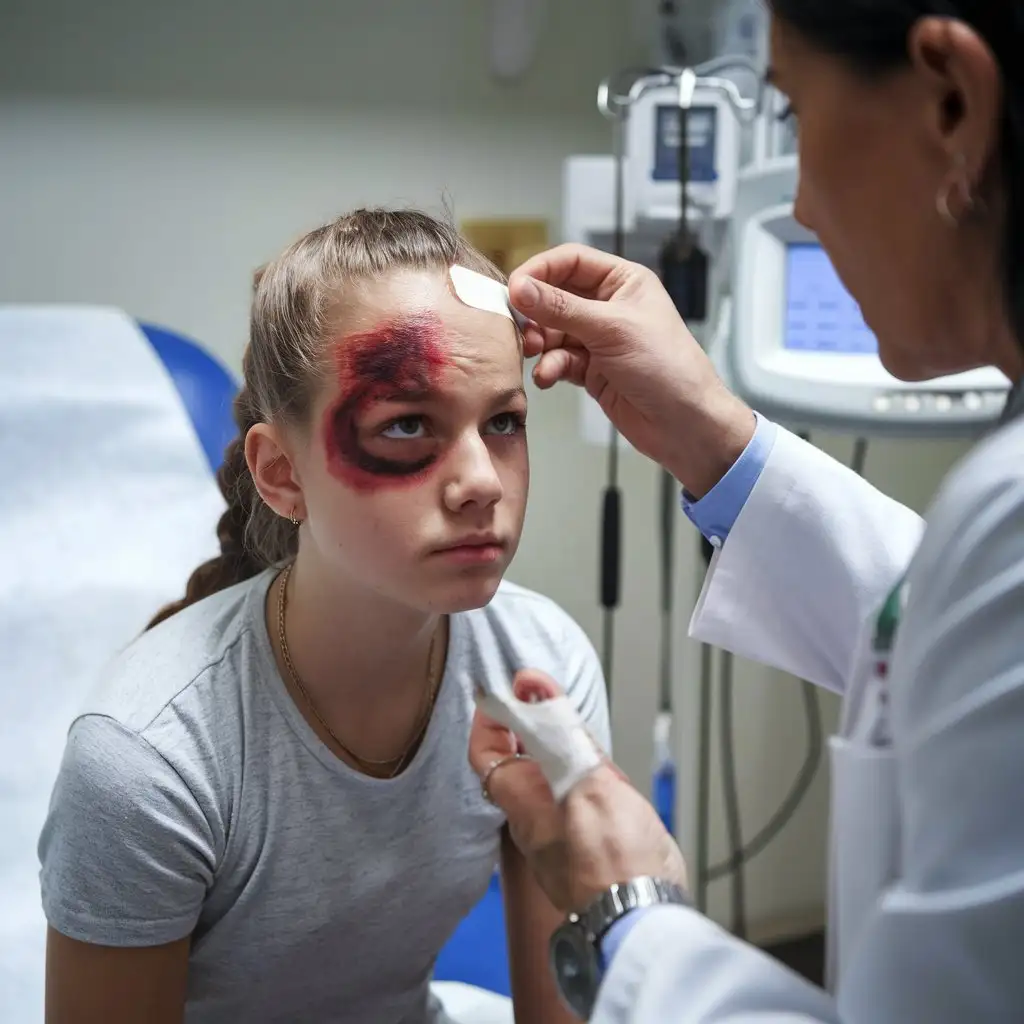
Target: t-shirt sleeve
(126,853)
(585,684)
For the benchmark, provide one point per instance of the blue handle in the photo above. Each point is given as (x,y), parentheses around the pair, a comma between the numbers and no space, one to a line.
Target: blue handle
(664,795)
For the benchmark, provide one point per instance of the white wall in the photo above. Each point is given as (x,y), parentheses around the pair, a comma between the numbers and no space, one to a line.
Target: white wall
(152,155)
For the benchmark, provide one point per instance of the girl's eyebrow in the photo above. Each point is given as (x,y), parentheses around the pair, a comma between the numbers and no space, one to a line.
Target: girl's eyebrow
(410,395)
(508,395)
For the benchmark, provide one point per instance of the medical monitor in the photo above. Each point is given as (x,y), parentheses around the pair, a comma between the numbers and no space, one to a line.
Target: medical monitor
(798,348)
(821,315)
(652,155)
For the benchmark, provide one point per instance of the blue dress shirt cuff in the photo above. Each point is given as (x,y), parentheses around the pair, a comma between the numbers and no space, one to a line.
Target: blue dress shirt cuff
(616,935)
(715,513)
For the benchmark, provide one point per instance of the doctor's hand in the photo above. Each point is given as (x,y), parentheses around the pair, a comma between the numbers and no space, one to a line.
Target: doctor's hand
(602,833)
(609,326)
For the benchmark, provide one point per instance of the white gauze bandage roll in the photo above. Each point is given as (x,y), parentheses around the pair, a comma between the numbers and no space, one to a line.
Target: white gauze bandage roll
(552,733)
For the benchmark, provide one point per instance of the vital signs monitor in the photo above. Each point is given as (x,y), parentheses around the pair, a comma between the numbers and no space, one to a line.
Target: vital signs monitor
(652,165)
(798,348)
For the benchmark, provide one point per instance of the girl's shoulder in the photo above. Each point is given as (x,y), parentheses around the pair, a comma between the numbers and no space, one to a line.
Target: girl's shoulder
(204,646)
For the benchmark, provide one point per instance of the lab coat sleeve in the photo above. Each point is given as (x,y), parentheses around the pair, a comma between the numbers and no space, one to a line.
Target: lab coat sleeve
(946,943)
(677,967)
(812,554)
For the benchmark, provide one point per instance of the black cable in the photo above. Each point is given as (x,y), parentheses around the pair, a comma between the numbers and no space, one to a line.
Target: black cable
(685,237)
(860,454)
(608,645)
(741,855)
(611,513)
(730,800)
(611,556)
(702,876)
(804,779)
(701,854)
(667,530)
(815,745)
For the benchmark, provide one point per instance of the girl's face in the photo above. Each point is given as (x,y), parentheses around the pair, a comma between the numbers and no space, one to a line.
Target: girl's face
(414,472)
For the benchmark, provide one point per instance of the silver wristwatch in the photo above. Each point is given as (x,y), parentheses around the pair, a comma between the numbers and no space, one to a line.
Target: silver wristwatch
(575,951)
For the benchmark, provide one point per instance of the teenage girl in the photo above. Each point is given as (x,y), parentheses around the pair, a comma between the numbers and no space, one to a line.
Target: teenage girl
(266,812)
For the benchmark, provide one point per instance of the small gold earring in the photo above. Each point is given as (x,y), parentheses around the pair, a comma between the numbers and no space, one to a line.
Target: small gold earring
(293,520)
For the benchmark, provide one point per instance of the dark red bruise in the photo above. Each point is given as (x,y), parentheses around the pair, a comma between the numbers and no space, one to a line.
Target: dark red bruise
(402,357)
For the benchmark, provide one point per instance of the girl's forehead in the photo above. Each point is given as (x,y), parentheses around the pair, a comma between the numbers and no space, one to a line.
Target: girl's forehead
(422,355)
(418,309)
(407,292)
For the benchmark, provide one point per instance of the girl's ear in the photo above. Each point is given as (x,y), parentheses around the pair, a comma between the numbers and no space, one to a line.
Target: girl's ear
(273,471)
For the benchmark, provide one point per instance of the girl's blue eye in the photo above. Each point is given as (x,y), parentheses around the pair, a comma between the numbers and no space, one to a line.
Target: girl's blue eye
(406,429)
(506,423)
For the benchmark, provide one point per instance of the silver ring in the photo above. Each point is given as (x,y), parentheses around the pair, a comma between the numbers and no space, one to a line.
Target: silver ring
(494,766)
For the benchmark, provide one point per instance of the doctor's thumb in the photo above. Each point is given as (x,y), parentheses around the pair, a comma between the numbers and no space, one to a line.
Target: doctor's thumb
(552,307)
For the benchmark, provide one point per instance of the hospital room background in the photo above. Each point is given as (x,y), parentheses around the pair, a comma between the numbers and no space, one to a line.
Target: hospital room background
(153,155)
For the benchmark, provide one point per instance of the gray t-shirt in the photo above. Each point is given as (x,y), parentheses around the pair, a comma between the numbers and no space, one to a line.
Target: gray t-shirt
(195,799)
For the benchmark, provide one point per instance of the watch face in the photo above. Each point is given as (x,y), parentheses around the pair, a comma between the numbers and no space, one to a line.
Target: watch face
(574,963)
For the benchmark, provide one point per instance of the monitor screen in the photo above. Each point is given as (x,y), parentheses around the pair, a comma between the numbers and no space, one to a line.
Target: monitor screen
(701,137)
(821,315)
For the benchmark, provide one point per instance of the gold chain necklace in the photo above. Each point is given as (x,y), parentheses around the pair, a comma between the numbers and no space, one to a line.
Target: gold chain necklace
(365,763)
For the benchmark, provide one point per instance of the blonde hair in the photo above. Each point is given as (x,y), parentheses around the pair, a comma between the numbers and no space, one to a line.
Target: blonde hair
(294,310)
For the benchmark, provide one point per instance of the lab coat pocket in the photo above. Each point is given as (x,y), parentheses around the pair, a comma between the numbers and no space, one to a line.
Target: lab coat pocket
(866,840)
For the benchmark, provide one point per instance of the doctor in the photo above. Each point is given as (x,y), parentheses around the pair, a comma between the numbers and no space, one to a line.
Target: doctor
(911,120)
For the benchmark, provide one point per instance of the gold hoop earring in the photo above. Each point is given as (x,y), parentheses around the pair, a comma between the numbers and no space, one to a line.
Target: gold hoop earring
(293,520)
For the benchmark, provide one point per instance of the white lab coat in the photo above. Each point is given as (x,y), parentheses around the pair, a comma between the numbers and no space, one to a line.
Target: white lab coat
(927,874)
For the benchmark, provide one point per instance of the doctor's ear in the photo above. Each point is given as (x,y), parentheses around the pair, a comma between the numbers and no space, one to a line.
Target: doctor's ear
(962,81)
(273,471)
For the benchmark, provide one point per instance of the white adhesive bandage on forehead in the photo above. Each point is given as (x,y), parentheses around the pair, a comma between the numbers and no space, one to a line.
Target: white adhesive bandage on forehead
(552,733)
(482,292)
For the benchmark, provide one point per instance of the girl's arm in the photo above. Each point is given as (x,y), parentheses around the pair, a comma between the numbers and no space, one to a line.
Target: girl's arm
(530,920)
(87,983)
(127,855)
(530,917)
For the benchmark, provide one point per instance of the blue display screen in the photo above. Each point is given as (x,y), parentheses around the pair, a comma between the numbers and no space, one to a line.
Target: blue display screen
(701,134)
(821,315)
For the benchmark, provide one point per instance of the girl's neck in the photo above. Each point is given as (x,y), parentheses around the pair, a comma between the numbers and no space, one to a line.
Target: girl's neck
(353,649)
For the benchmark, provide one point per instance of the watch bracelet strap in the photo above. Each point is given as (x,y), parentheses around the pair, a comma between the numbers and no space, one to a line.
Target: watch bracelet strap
(619,899)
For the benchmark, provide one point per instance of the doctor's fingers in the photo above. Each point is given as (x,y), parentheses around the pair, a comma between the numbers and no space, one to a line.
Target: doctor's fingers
(557,310)
(561,364)
(537,339)
(580,269)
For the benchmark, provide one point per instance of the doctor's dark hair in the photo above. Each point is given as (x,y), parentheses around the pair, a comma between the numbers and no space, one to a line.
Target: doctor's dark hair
(295,311)
(871,37)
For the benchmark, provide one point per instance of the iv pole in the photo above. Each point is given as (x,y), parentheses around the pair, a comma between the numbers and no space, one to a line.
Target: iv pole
(689,281)
(614,104)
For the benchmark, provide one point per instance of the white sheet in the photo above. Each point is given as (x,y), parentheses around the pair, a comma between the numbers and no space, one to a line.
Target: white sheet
(107,505)
(466,1004)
